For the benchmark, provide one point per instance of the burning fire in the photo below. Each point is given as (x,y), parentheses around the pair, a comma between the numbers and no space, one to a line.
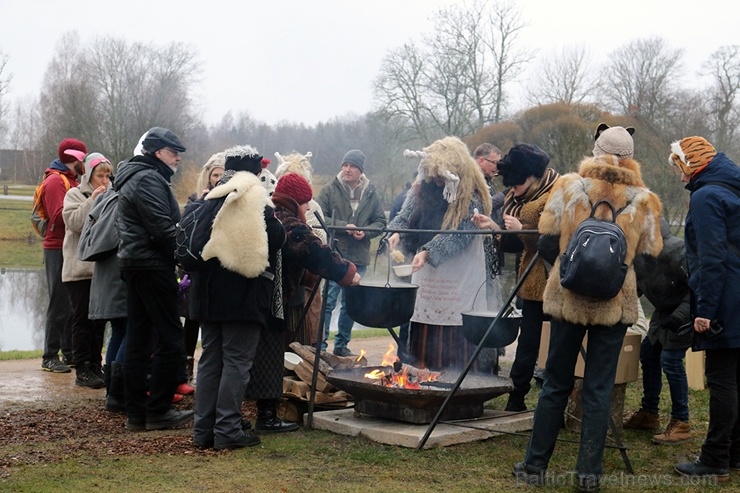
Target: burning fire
(396,374)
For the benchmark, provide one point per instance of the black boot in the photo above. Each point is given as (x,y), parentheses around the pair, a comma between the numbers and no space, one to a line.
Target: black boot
(267,418)
(115,401)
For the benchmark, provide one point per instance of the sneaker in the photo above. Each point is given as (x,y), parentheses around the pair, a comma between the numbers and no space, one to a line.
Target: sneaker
(642,420)
(250,439)
(135,424)
(676,432)
(55,366)
(171,419)
(734,464)
(697,469)
(526,474)
(88,377)
(68,361)
(184,389)
(343,351)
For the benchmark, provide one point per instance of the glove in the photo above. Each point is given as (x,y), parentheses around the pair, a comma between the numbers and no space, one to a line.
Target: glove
(182,287)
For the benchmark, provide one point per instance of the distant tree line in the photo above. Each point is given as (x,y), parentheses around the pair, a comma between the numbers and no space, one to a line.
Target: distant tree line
(457,80)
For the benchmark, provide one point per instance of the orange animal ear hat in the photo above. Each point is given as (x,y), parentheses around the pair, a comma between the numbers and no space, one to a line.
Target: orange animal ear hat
(691,154)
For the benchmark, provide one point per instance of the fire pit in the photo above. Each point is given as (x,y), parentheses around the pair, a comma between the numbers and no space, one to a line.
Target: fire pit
(420,405)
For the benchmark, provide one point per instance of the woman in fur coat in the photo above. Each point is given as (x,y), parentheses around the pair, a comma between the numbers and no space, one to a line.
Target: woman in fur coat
(524,170)
(611,175)
(450,269)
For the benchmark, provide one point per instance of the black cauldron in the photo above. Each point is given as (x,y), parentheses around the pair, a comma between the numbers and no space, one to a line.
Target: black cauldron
(381,304)
(503,333)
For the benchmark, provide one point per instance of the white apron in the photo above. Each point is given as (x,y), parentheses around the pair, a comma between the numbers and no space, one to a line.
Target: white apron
(446,291)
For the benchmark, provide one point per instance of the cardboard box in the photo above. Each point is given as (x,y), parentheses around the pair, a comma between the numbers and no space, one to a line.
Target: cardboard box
(629,357)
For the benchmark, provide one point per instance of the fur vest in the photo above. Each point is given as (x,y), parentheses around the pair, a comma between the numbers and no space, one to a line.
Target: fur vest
(239,235)
(570,203)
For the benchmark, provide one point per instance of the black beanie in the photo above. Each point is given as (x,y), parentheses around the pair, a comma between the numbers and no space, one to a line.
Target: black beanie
(243,158)
(521,162)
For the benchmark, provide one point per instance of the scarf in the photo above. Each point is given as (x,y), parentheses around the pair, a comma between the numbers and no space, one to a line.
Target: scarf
(513,205)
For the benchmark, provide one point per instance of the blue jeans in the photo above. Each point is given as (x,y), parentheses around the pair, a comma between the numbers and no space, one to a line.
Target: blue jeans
(117,342)
(653,358)
(602,354)
(345,323)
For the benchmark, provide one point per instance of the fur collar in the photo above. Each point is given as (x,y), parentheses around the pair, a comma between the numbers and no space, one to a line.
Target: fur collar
(239,232)
(626,172)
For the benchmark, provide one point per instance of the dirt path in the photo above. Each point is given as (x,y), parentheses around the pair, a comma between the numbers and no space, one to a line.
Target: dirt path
(23,382)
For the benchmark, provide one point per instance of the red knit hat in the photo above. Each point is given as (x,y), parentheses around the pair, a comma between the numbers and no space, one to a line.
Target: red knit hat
(294,186)
(71,144)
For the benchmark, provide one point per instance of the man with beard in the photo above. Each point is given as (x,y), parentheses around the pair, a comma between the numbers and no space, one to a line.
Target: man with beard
(147,215)
(60,176)
(350,200)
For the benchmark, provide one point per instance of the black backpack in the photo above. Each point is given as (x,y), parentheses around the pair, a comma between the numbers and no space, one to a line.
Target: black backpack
(193,232)
(593,264)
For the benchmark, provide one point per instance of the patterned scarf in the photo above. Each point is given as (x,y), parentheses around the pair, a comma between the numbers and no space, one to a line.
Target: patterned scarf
(513,205)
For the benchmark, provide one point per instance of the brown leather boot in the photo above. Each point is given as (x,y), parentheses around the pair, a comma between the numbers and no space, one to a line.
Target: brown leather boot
(676,432)
(642,420)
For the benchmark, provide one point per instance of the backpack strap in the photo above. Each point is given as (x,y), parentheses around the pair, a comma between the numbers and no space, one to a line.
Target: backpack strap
(615,213)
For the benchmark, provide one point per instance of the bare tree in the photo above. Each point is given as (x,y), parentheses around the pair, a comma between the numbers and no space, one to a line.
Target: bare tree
(723,67)
(454,85)
(643,77)
(5,79)
(111,91)
(509,60)
(24,135)
(564,77)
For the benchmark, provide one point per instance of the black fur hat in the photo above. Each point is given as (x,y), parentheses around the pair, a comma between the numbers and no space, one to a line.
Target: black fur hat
(521,162)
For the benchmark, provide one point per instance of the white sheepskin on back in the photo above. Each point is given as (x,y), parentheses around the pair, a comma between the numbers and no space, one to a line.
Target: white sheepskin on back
(239,235)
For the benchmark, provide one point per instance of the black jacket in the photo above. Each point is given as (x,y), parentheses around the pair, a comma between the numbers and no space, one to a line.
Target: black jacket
(221,295)
(664,281)
(147,215)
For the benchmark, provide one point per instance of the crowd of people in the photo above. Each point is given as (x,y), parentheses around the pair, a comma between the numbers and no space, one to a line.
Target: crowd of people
(265,259)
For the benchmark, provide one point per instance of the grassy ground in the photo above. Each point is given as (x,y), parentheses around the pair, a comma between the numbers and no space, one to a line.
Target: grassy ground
(20,246)
(97,456)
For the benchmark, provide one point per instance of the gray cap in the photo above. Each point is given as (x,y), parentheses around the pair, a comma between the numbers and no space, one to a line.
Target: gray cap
(158,137)
(356,158)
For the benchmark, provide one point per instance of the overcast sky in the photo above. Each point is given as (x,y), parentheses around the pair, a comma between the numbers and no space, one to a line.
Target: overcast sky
(312,60)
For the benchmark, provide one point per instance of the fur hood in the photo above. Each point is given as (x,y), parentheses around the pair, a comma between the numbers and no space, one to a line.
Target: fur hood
(598,178)
(239,235)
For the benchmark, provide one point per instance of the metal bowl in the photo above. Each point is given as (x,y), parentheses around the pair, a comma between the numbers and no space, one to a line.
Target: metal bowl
(378,304)
(503,333)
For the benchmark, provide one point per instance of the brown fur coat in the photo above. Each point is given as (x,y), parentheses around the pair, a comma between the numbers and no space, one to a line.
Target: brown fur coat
(568,205)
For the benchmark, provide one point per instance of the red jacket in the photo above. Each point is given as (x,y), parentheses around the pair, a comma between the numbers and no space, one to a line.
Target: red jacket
(53,201)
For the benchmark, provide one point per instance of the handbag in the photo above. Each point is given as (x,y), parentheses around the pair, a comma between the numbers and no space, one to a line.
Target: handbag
(99,237)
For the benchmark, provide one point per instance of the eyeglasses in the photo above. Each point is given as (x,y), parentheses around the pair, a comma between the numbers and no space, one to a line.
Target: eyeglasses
(489,160)
(173,152)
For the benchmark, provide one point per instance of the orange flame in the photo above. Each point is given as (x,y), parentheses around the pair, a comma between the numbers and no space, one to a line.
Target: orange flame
(362,355)
(408,377)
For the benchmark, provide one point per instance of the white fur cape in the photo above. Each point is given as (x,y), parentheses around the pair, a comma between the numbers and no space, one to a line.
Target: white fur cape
(239,234)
